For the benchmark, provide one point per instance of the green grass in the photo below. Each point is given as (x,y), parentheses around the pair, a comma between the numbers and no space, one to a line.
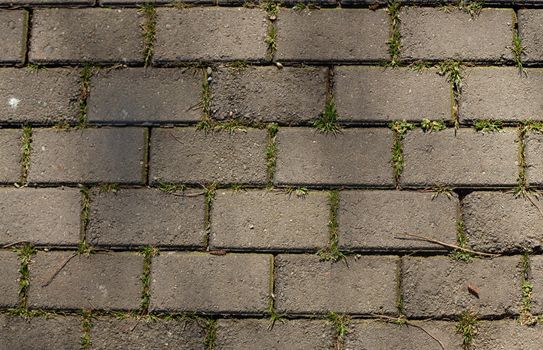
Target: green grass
(299,192)
(333,252)
(32,67)
(271,8)
(25,252)
(526,317)
(453,71)
(462,242)
(299,6)
(271,152)
(442,191)
(149,31)
(26,150)
(86,325)
(518,52)
(148,253)
(211,334)
(488,125)
(170,187)
(340,324)
(109,187)
(473,8)
(327,121)
(467,328)
(85,76)
(400,128)
(271,40)
(394,41)
(432,125)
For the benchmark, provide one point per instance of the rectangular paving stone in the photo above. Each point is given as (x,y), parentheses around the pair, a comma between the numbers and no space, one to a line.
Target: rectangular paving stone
(43,96)
(534,158)
(13,26)
(264,94)
(264,220)
(304,284)
(137,217)
(507,334)
(374,94)
(377,220)
(468,158)
(105,155)
(10,155)
(536,272)
(110,36)
(145,96)
(431,33)
(187,155)
(199,282)
(352,157)
(287,334)
(41,216)
(47,2)
(98,281)
(438,286)
(210,34)
(529,27)
(9,284)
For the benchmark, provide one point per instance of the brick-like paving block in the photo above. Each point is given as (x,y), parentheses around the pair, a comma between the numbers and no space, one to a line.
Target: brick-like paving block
(288,95)
(13,26)
(109,36)
(199,282)
(376,94)
(530,28)
(337,35)
(288,334)
(98,281)
(438,286)
(45,333)
(377,220)
(10,155)
(44,96)
(257,219)
(192,156)
(110,333)
(536,271)
(304,284)
(352,157)
(210,34)
(431,33)
(468,158)
(137,217)
(139,96)
(9,284)
(507,334)
(41,216)
(534,158)
(112,155)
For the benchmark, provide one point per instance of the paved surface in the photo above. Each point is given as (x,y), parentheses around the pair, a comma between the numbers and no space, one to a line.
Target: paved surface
(215,174)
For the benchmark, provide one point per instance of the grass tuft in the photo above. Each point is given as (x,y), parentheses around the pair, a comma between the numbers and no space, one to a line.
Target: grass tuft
(526,317)
(148,253)
(400,128)
(462,242)
(26,149)
(271,152)
(211,334)
(271,40)
(332,252)
(86,75)
(299,192)
(170,187)
(442,191)
(271,8)
(86,325)
(432,125)
(453,70)
(473,8)
(518,52)
(394,42)
(25,252)
(340,323)
(109,187)
(149,31)
(327,121)
(467,327)
(299,6)
(488,125)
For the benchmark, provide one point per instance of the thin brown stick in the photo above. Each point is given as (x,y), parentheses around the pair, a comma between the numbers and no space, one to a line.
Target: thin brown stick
(409,323)
(12,244)
(73,255)
(187,194)
(431,240)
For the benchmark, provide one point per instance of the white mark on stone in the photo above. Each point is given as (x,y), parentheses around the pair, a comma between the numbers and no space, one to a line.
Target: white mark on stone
(13,102)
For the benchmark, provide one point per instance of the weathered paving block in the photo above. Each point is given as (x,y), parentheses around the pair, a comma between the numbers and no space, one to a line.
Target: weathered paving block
(13,26)
(536,270)
(258,219)
(192,156)
(112,155)
(10,155)
(377,220)
(352,157)
(9,284)
(137,217)
(210,34)
(337,35)
(199,282)
(143,96)
(42,96)
(468,158)
(507,334)
(290,334)
(438,286)
(375,94)
(263,94)
(110,333)
(431,33)
(529,27)
(534,158)
(110,36)
(41,216)
(304,284)
(158,2)
(98,281)
(51,332)
(46,2)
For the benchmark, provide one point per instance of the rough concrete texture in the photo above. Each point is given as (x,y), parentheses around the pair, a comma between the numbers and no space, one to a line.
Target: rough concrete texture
(345,35)
(138,217)
(107,155)
(507,335)
(113,334)
(41,216)
(289,334)
(10,155)
(460,158)
(534,160)
(193,156)
(378,220)
(200,282)
(102,281)
(110,36)
(46,2)
(431,33)
(210,34)
(530,25)
(9,284)
(304,284)
(42,96)
(265,220)
(352,157)
(439,286)
(145,95)
(536,272)
(13,26)
(377,94)
(265,94)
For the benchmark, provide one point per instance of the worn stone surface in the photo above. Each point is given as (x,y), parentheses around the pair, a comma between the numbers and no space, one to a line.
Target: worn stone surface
(188,155)
(264,220)
(352,157)
(10,155)
(507,334)
(530,26)
(13,26)
(112,155)
(200,282)
(536,271)
(438,286)
(47,2)
(306,285)
(9,284)
(138,217)
(265,94)
(534,158)
(375,94)
(377,220)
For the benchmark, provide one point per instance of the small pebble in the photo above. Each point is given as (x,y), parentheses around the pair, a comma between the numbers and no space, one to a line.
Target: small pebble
(209,71)
(279,65)
(273,18)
